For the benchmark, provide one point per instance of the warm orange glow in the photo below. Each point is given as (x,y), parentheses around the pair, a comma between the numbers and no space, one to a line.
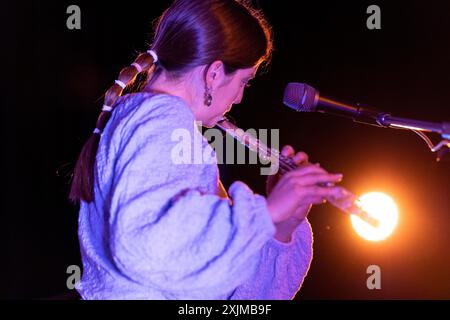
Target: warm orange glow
(381,207)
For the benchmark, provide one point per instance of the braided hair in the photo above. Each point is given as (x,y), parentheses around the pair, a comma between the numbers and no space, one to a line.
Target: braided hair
(82,184)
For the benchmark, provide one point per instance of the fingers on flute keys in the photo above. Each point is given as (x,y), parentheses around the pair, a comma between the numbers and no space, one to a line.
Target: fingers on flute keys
(299,157)
(319,195)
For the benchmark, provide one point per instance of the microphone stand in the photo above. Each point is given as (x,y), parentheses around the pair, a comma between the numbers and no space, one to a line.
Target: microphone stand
(442,149)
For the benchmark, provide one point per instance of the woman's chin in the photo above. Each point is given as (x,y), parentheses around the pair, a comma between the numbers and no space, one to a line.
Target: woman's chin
(209,124)
(213,122)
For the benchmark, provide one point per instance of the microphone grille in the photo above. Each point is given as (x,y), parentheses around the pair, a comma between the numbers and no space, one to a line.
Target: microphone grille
(300,97)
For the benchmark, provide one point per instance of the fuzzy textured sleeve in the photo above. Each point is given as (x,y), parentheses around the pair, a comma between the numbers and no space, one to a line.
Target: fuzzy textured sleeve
(157,228)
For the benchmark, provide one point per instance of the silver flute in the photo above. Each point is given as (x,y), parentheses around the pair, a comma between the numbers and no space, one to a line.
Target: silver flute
(348,203)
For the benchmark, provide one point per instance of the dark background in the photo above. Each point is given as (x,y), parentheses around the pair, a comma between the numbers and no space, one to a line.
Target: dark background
(53,79)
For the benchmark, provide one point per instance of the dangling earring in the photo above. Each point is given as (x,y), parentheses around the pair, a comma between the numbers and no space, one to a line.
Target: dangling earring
(208,97)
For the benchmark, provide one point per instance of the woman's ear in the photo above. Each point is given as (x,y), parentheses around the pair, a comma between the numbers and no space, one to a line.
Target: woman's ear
(215,75)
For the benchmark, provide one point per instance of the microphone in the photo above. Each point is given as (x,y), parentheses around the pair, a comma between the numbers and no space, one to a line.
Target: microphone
(304,98)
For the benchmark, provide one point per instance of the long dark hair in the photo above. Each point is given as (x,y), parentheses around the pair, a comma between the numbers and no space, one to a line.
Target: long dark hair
(190,33)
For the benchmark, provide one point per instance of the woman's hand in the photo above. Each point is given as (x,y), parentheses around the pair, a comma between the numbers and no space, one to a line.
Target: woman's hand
(300,158)
(290,196)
